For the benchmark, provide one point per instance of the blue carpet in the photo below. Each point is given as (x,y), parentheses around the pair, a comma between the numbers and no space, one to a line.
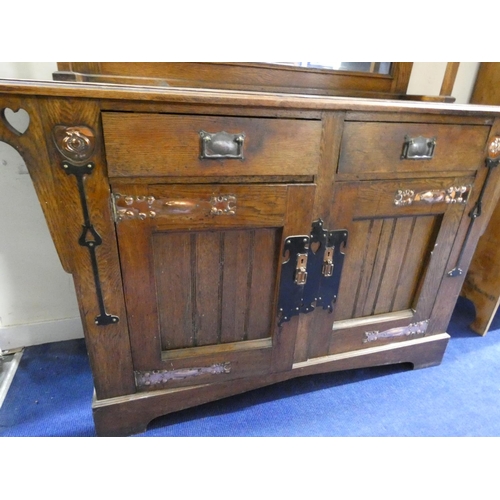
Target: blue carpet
(51,395)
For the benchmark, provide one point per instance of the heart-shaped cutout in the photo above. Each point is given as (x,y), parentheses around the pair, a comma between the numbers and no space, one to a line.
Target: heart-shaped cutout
(16,121)
(315,246)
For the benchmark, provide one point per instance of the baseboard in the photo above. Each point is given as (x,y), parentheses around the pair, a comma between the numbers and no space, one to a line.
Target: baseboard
(13,337)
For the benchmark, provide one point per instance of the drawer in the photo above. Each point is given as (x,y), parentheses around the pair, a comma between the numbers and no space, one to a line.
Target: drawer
(375,147)
(150,145)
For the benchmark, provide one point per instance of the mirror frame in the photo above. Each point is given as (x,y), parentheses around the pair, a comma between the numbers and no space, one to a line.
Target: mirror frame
(259,77)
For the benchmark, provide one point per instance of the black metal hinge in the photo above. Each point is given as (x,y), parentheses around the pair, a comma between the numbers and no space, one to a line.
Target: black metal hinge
(77,144)
(476,211)
(311,271)
(90,238)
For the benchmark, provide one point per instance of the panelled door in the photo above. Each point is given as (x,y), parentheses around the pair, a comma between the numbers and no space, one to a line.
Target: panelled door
(400,237)
(201,265)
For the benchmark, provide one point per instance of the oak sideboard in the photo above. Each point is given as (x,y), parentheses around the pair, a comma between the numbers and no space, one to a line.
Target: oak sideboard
(221,241)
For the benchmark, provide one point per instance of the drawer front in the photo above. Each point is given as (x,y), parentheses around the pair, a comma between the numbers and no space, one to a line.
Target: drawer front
(150,145)
(378,147)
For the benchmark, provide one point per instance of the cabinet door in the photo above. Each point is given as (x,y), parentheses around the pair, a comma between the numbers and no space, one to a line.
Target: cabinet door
(400,237)
(200,267)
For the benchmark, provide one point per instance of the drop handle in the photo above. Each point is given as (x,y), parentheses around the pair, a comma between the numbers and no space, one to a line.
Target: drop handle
(418,148)
(221,145)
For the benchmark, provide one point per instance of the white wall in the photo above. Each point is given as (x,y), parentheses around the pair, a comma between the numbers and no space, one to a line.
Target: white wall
(37,299)
(28,70)
(426,79)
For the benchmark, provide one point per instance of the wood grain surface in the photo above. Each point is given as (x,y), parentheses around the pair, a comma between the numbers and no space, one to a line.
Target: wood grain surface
(195,287)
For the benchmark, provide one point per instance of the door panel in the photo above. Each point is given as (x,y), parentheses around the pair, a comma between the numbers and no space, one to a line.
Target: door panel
(200,268)
(399,239)
(384,261)
(217,280)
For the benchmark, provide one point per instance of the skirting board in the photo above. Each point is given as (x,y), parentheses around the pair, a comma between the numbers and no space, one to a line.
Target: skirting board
(14,337)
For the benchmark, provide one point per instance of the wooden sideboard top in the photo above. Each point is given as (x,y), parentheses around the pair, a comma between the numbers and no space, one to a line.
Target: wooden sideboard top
(235,98)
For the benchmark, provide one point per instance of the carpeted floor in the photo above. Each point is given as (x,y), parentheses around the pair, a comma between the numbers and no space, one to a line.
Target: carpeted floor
(52,390)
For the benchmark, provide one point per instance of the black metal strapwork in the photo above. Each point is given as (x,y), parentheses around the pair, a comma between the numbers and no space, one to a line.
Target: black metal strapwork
(310,275)
(90,238)
(474,214)
(329,284)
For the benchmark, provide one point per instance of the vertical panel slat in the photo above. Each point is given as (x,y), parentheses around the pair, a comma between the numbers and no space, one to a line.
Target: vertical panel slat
(262,289)
(208,287)
(371,251)
(412,270)
(403,274)
(237,261)
(352,269)
(398,245)
(173,283)
(379,266)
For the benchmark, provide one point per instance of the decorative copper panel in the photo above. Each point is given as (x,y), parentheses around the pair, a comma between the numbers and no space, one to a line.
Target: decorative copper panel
(494,148)
(76,143)
(156,377)
(399,331)
(143,207)
(453,194)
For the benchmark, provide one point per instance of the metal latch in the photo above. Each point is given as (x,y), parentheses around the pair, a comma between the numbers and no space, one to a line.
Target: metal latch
(301,269)
(311,271)
(328,262)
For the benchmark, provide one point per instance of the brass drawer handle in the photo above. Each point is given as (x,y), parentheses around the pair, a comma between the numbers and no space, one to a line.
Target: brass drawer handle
(418,148)
(221,145)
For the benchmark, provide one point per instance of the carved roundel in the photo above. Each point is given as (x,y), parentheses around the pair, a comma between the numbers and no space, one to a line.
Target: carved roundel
(76,143)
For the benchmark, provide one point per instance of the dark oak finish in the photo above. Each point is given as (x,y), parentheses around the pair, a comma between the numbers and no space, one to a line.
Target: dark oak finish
(271,147)
(377,147)
(187,253)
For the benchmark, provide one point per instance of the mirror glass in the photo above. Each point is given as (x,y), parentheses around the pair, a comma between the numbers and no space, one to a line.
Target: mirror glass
(382,68)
